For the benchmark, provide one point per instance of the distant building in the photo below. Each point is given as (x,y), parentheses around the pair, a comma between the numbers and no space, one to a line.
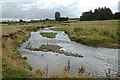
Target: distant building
(74,19)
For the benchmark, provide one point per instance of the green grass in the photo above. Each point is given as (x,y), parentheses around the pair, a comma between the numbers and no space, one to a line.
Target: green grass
(65,76)
(48,35)
(94,33)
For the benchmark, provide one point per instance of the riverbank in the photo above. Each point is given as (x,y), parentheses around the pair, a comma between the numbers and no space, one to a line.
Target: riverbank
(94,33)
(13,64)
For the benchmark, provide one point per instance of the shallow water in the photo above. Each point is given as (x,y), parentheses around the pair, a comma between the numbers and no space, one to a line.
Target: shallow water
(93,60)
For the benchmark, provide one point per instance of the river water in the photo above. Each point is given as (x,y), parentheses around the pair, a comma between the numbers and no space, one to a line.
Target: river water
(94,60)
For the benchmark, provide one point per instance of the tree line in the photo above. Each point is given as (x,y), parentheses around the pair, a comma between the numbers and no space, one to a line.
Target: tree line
(99,14)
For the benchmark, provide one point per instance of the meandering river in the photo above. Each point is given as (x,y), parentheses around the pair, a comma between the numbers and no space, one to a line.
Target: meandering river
(93,60)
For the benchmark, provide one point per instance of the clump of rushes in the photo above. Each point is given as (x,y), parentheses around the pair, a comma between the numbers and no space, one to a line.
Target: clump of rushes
(81,71)
(25,58)
(46,71)
(67,68)
(56,49)
(48,35)
(38,71)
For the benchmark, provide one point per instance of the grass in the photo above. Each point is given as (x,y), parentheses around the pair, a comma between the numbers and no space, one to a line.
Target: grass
(94,33)
(48,35)
(56,49)
(38,71)
(81,77)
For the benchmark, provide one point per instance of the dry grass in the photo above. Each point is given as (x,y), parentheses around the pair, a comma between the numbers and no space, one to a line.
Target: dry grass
(94,33)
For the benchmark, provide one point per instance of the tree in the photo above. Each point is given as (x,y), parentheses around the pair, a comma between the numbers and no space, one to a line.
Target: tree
(57,16)
(87,16)
(98,14)
(108,14)
(21,20)
(47,19)
(117,15)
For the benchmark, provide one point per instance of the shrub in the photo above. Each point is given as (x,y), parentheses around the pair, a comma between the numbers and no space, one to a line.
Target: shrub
(9,23)
(106,33)
(27,65)
(25,58)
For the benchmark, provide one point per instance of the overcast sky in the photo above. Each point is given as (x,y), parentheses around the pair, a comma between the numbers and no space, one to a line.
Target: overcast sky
(41,9)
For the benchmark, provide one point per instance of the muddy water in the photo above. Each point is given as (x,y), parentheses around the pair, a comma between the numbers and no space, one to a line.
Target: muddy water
(93,60)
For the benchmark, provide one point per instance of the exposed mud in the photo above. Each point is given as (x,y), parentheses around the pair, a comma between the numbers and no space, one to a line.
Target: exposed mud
(12,35)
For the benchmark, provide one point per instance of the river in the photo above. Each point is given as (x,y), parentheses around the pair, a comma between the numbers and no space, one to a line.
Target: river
(93,60)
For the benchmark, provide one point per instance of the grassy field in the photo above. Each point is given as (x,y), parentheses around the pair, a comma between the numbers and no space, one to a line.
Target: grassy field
(94,33)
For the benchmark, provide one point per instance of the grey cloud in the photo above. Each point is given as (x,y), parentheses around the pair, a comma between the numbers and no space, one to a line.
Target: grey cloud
(15,10)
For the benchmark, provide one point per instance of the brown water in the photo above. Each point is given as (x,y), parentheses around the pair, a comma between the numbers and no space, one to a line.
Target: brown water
(93,60)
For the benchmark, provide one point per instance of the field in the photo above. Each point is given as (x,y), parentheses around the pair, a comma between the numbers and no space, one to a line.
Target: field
(94,33)
(91,33)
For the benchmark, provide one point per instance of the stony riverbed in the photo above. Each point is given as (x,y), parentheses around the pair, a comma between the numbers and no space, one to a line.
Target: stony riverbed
(93,60)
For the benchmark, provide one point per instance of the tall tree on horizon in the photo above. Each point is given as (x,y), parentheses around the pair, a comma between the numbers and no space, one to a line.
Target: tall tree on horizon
(57,16)
(117,15)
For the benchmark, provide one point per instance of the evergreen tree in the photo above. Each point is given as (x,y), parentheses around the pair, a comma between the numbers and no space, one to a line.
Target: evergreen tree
(98,14)
(117,15)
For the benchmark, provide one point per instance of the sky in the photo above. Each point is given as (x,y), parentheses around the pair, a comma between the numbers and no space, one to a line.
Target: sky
(42,9)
